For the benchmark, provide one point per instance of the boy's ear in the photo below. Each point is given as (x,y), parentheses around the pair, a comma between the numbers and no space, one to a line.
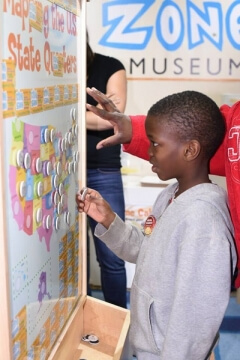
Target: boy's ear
(192,150)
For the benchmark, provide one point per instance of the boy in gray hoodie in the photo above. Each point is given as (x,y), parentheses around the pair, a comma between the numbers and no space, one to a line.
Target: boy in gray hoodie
(185,256)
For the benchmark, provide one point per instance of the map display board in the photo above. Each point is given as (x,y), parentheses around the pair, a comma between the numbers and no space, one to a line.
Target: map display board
(40,120)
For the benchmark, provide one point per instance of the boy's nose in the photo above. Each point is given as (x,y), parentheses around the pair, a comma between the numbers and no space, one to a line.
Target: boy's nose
(150,152)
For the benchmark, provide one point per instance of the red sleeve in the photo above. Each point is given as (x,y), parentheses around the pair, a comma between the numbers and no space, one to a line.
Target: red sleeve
(231,156)
(139,144)
(217,163)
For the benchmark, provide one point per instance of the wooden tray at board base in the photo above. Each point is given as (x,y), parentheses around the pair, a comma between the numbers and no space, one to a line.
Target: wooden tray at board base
(108,322)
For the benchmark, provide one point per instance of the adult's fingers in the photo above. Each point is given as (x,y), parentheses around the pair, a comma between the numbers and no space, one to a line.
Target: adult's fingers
(104,114)
(110,141)
(102,99)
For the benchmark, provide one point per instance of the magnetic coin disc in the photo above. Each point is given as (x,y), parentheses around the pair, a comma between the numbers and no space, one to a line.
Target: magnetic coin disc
(83,193)
(92,339)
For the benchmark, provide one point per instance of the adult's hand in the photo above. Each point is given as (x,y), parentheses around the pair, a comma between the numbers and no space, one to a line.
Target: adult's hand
(121,123)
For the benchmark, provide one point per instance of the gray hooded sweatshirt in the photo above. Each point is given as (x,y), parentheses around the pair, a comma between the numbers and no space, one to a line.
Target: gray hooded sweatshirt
(184,269)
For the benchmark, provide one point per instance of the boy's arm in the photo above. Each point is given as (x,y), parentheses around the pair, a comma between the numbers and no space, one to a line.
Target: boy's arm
(128,242)
(129,238)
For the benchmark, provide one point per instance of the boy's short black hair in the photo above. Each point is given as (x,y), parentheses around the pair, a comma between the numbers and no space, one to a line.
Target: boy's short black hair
(192,116)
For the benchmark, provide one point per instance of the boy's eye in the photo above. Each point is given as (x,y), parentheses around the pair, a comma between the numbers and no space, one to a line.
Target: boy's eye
(154,143)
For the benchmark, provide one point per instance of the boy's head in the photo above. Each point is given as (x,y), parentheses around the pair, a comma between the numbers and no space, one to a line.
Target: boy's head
(181,128)
(192,116)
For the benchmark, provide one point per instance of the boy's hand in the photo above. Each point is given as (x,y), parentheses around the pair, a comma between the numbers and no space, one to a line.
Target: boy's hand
(95,206)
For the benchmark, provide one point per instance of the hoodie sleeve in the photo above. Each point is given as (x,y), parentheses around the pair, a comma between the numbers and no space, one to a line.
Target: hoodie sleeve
(128,242)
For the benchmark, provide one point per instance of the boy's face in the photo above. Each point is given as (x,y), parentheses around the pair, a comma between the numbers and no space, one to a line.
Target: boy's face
(166,150)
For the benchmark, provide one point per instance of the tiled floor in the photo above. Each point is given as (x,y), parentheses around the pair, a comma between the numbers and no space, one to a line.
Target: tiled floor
(229,344)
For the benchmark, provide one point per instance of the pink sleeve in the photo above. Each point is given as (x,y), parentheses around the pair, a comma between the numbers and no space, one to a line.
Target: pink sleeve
(139,144)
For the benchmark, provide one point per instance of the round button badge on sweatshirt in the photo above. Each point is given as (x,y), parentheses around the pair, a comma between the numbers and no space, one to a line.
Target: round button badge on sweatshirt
(149,225)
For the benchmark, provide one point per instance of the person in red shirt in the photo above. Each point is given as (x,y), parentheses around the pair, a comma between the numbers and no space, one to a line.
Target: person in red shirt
(130,131)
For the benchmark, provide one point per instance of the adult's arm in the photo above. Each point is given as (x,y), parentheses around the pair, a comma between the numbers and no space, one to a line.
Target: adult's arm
(116,91)
(139,143)
(121,123)
(217,163)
